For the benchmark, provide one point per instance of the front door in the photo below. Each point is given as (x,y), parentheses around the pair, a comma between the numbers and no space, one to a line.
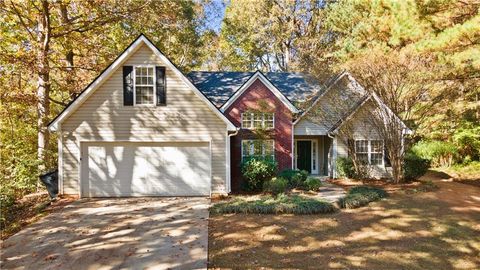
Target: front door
(304,155)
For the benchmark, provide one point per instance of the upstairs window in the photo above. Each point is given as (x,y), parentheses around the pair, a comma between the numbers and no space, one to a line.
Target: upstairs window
(144,85)
(369,151)
(262,149)
(257,120)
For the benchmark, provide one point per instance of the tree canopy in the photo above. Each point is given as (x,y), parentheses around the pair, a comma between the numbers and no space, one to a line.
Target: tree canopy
(421,56)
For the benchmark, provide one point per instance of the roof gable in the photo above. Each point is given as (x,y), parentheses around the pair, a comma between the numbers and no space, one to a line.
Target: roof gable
(259,76)
(219,86)
(129,51)
(340,101)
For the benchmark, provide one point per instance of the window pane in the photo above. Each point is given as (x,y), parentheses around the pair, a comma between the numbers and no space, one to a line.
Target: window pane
(257,148)
(268,120)
(245,148)
(144,95)
(376,146)
(257,120)
(362,158)
(376,159)
(246,120)
(361,146)
(268,146)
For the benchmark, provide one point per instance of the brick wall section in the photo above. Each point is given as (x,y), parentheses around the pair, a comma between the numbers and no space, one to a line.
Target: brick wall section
(282,133)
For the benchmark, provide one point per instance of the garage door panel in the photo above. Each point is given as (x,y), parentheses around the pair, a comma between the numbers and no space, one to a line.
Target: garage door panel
(147,169)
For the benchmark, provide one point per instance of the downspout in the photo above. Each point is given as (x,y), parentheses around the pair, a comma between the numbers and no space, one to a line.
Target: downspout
(229,172)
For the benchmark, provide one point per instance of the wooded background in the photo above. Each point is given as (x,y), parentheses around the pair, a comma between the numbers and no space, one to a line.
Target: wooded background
(421,56)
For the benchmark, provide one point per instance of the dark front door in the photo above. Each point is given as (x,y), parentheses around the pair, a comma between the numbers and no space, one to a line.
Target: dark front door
(304,155)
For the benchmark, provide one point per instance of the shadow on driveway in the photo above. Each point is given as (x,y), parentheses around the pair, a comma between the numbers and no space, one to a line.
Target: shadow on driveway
(138,233)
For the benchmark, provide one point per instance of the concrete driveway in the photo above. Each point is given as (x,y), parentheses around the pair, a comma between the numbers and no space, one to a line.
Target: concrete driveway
(129,233)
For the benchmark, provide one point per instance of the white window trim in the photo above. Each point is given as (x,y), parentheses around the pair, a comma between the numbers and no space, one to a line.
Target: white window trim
(369,151)
(252,120)
(135,86)
(263,148)
(312,158)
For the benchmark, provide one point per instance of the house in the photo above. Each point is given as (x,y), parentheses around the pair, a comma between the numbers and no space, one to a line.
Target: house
(143,128)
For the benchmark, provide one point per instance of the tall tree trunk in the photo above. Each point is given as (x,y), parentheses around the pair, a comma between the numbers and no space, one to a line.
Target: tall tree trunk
(43,87)
(69,54)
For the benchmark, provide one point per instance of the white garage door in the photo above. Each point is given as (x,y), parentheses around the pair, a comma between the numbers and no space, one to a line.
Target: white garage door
(145,169)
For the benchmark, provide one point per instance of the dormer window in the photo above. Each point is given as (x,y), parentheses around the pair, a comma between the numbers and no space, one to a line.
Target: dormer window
(144,85)
(258,120)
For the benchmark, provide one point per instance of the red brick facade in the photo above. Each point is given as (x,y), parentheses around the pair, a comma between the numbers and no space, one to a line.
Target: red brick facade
(255,98)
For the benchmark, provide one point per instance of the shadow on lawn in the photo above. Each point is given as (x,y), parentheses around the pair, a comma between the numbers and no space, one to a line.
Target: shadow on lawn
(422,231)
(112,234)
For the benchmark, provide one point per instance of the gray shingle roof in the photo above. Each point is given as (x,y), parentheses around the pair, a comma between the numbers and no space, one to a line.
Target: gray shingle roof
(219,86)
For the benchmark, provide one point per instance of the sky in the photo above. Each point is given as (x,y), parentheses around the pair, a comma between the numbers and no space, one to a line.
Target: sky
(215,11)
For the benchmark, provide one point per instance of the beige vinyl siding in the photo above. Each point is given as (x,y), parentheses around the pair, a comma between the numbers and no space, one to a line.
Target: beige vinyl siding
(362,130)
(306,127)
(102,117)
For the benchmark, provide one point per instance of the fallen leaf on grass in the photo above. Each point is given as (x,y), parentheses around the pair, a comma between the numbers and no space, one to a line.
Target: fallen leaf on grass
(51,257)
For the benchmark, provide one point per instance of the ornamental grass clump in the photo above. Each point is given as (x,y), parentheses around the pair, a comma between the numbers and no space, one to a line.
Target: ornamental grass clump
(361,196)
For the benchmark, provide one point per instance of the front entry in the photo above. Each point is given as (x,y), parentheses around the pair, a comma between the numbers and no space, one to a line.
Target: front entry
(304,155)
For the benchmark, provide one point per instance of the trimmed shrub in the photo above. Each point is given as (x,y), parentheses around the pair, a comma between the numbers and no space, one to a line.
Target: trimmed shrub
(276,186)
(360,196)
(345,167)
(282,204)
(313,183)
(414,166)
(257,171)
(295,178)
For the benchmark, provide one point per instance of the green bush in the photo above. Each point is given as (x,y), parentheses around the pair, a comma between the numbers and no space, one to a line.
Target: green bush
(313,183)
(360,196)
(295,178)
(281,204)
(414,166)
(345,167)
(276,185)
(257,171)
(439,153)
(467,139)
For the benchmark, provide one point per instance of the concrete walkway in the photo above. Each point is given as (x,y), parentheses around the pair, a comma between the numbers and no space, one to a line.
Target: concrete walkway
(330,192)
(129,233)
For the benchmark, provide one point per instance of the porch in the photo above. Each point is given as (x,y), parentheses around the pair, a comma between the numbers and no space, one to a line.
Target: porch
(312,153)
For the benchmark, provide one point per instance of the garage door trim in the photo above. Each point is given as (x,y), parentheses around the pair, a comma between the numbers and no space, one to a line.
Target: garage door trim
(83,143)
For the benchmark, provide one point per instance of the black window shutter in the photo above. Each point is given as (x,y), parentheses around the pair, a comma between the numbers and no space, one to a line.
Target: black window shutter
(128,86)
(161,86)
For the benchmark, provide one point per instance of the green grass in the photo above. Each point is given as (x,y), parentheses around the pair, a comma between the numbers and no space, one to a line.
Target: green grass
(471,169)
(282,204)
(361,196)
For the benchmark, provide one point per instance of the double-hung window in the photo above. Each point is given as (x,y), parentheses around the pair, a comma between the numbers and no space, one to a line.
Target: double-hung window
(257,120)
(369,151)
(263,149)
(144,85)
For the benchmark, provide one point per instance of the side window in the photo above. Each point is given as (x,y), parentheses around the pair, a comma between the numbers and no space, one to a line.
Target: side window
(264,149)
(369,151)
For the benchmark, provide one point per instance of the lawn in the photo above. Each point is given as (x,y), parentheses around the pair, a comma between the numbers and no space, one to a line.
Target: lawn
(426,230)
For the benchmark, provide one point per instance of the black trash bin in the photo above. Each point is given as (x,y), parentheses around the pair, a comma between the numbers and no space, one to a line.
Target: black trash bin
(50,180)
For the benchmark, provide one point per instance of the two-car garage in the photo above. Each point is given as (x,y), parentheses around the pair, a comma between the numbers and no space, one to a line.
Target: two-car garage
(122,169)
